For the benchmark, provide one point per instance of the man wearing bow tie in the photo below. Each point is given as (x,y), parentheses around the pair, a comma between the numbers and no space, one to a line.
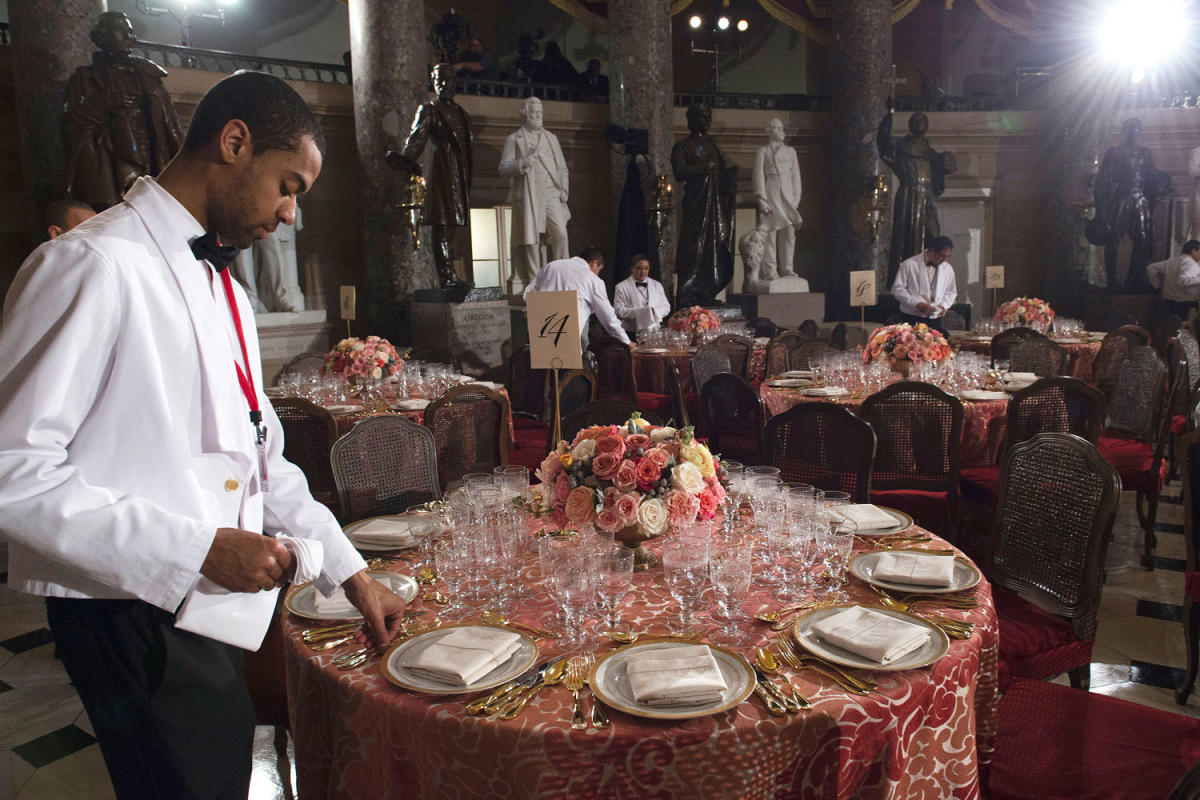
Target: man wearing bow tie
(925,284)
(639,300)
(141,463)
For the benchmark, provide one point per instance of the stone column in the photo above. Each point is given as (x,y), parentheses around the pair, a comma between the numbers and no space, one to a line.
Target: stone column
(390,65)
(641,96)
(50,38)
(860,64)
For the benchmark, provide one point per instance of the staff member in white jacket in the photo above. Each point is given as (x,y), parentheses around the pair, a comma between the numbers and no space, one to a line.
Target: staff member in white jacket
(581,274)
(925,284)
(640,298)
(131,468)
(1179,279)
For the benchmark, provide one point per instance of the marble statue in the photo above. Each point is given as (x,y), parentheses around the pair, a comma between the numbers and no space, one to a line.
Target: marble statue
(119,121)
(704,257)
(444,124)
(1127,186)
(922,173)
(777,193)
(268,271)
(540,190)
(1194,211)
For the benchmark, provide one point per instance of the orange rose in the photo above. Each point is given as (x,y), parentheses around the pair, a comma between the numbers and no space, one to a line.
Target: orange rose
(581,505)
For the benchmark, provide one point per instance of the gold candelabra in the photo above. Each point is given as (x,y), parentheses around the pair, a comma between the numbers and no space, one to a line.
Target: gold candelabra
(879,205)
(415,207)
(660,212)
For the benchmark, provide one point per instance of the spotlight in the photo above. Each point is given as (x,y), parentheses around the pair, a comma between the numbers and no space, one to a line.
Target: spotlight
(743,25)
(1143,32)
(1138,76)
(723,23)
(695,21)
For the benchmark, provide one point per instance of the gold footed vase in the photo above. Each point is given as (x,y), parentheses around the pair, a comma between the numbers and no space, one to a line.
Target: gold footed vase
(632,538)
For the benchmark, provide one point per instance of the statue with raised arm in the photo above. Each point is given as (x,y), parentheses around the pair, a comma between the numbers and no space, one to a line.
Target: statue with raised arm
(922,173)
(704,257)
(777,194)
(534,161)
(446,127)
(119,121)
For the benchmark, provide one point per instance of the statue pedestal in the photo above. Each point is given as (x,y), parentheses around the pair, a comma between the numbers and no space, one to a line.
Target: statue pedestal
(1146,308)
(793,284)
(787,310)
(473,335)
(284,334)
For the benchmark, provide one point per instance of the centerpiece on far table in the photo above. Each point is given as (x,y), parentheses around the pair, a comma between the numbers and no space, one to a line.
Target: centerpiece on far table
(1030,312)
(355,358)
(696,320)
(903,345)
(631,480)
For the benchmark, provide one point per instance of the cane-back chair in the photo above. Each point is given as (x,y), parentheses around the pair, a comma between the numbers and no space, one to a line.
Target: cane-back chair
(824,445)
(309,432)
(470,429)
(807,353)
(385,464)
(1002,342)
(1189,457)
(736,413)
(739,349)
(707,361)
(611,411)
(778,349)
(1114,348)
(1038,355)
(305,362)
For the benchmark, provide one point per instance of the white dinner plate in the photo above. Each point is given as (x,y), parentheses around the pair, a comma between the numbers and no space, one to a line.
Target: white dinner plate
(302,600)
(274,392)
(401,524)
(610,682)
(652,350)
(486,384)
(789,383)
(903,523)
(923,656)
(981,395)
(797,373)
(1016,386)
(965,574)
(390,665)
(343,408)
(412,404)
(1068,340)
(826,391)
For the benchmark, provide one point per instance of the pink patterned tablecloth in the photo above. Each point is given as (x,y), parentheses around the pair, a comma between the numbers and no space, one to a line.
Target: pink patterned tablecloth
(923,734)
(1082,354)
(984,423)
(650,369)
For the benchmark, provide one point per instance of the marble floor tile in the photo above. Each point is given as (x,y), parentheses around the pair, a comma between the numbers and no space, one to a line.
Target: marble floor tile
(1143,639)
(14,774)
(1162,699)
(29,712)
(80,776)
(36,667)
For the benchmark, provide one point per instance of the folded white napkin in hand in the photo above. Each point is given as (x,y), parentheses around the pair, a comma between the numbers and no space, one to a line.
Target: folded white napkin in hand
(384,532)
(918,569)
(411,404)
(866,517)
(1022,377)
(686,675)
(981,394)
(871,634)
(464,655)
(309,555)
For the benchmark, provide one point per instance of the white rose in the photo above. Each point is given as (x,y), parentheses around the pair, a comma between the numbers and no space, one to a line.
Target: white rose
(661,434)
(377,373)
(584,450)
(686,476)
(359,346)
(652,516)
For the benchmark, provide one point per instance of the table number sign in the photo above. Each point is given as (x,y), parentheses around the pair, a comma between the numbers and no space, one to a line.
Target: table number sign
(554,337)
(993,277)
(348,303)
(862,288)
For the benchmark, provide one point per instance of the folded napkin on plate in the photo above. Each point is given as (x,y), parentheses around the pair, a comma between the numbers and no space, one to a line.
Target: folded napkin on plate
(871,634)
(463,656)
(825,391)
(686,675)
(915,568)
(336,605)
(866,517)
(798,373)
(980,394)
(1022,377)
(412,404)
(384,532)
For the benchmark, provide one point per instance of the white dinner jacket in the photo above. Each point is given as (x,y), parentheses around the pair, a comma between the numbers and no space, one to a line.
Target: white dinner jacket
(911,286)
(125,440)
(627,299)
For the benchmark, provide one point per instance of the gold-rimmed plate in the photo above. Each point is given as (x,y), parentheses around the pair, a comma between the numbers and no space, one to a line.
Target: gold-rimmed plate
(965,576)
(829,392)
(923,656)
(903,523)
(610,681)
(302,599)
(789,383)
(392,668)
(652,351)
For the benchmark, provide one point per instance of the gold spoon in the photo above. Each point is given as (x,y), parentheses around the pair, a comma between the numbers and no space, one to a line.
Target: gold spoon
(766,660)
(629,637)
(496,618)
(783,611)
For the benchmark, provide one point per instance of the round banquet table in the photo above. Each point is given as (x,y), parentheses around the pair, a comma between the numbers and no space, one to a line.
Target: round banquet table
(347,415)
(983,428)
(1082,352)
(922,734)
(650,369)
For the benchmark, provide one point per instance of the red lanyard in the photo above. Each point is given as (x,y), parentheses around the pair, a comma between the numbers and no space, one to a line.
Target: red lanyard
(245,377)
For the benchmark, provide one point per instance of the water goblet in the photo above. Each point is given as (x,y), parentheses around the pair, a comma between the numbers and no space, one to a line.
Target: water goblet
(614,582)
(729,572)
(836,558)
(453,561)
(686,568)
(729,506)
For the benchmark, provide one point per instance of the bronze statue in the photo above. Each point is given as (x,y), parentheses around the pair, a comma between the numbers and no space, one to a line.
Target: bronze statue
(1127,186)
(704,257)
(119,120)
(447,201)
(922,173)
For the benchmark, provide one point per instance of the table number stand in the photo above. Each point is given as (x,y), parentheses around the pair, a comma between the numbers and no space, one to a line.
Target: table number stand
(993,278)
(862,294)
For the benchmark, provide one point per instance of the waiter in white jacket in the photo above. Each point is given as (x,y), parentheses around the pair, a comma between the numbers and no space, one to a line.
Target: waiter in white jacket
(582,275)
(140,460)
(925,284)
(1179,279)
(639,301)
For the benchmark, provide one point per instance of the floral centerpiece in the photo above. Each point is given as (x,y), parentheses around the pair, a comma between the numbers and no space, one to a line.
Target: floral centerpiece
(1028,311)
(694,320)
(904,345)
(632,480)
(372,357)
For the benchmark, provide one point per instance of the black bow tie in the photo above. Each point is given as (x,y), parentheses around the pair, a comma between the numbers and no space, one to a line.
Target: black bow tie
(209,248)
(640,284)
(930,264)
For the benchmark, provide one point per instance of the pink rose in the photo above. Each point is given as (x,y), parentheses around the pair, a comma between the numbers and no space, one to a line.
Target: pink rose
(559,516)
(647,474)
(671,448)
(611,444)
(660,456)
(626,477)
(608,521)
(708,504)
(626,508)
(637,441)
(561,488)
(681,506)
(610,496)
(605,465)
(581,505)
(717,489)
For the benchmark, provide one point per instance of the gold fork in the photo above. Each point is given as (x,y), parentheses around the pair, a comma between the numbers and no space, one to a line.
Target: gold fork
(599,716)
(574,681)
(851,683)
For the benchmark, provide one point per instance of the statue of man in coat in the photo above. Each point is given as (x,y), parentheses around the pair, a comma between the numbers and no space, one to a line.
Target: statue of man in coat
(534,161)
(777,192)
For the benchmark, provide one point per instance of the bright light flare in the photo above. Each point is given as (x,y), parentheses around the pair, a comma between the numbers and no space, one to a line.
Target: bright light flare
(1143,33)
(743,25)
(695,21)
(723,23)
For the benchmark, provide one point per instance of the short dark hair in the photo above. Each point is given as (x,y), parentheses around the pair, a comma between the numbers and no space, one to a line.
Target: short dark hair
(277,117)
(56,212)
(1190,246)
(639,257)
(591,253)
(939,243)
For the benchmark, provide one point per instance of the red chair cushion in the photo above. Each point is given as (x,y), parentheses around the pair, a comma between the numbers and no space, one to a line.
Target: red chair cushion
(928,509)
(1057,742)
(1034,643)
(981,484)
(1178,424)
(1133,460)
(648,401)
(529,443)
(1191,585)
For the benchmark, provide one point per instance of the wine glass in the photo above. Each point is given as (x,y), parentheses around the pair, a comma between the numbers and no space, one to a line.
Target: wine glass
(837,557)
(615,581)
(732,502)
(453,559)
(685,562)
(729,570)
